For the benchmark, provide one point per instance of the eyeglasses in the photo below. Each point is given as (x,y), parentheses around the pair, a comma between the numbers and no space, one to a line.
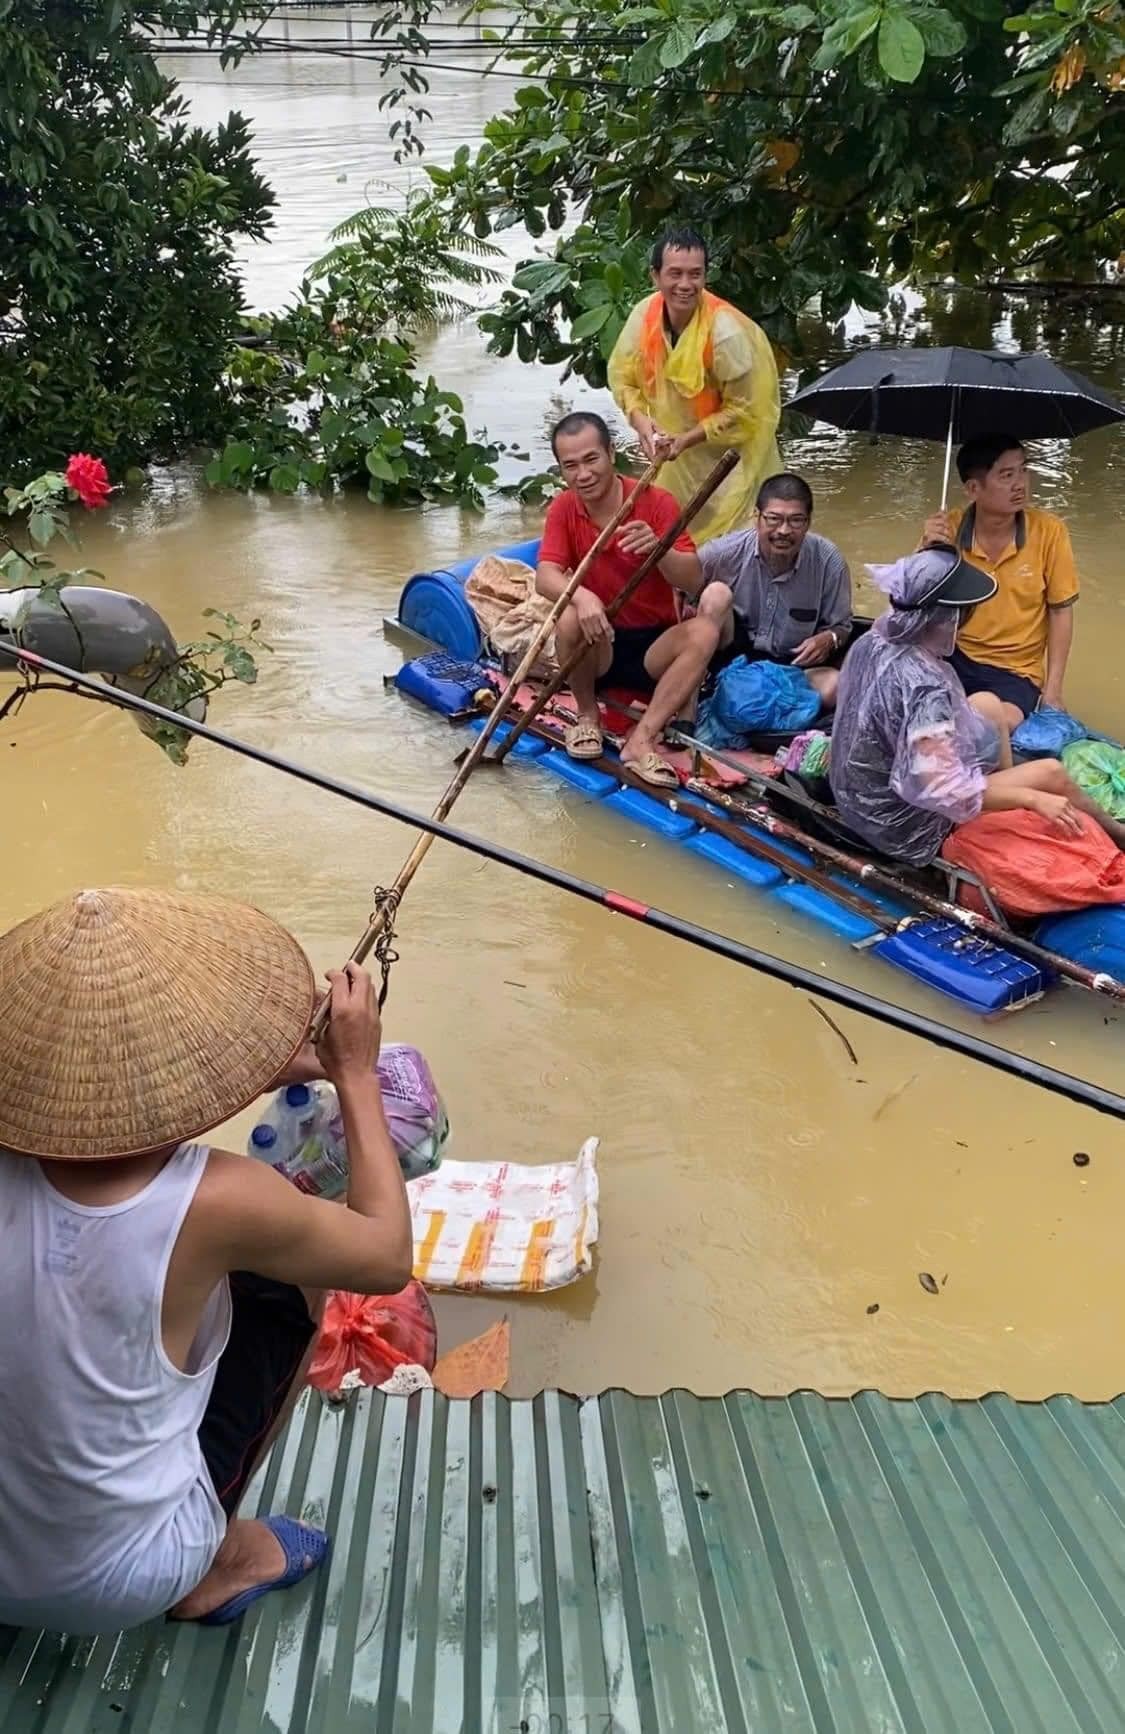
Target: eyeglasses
(779,521)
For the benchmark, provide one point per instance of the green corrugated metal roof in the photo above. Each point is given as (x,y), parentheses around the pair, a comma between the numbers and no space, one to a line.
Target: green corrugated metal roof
(644,1565)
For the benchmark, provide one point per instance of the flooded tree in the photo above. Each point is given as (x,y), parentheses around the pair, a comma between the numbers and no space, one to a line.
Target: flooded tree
(829,150)
(118,223)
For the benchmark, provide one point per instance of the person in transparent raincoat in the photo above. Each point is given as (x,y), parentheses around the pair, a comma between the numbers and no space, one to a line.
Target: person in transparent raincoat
(912,757)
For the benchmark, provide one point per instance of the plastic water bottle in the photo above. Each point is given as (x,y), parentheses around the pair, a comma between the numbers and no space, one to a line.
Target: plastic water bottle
(302,1132)
(263,1142)
(291,1120)
(300,1105)
(320,1166)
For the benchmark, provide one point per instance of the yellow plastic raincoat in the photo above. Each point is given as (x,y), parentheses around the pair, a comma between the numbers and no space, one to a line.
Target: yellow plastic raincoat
(720,373)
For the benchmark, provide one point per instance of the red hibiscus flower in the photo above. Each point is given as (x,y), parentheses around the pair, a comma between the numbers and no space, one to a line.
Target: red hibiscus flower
(88,478)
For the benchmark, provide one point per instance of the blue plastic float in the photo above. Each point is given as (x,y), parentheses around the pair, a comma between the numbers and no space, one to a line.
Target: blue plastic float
(975,974)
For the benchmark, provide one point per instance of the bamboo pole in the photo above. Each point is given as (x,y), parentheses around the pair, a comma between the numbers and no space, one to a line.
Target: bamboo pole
(388,901)
(698,500)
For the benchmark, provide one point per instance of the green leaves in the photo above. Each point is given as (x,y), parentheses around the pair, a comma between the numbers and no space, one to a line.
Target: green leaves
(41,527)
(1027,118)
(590,322)
(647,64)
(334,397)
(942,34)
(237,462)
(720,28)
(120,263)
(543,277)
(202,668)
(845,35)
(285,478)
(379,466)
(902,49)
(677,43)
(796,17)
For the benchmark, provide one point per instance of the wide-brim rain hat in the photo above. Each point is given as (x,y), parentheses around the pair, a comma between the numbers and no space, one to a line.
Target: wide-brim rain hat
(136,1019)
(935,577)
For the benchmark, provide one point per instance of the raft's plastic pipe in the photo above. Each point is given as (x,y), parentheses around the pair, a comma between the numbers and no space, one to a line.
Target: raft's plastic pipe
(823,987)
(95,631)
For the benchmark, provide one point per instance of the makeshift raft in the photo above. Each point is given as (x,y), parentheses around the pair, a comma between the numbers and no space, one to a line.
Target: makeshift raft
(976,973)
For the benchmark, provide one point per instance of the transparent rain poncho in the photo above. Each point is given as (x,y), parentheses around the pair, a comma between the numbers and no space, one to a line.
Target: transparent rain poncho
(909,755)
(721,376)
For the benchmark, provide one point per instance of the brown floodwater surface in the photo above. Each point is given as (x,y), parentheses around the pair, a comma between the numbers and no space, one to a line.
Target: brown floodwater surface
(767,1205)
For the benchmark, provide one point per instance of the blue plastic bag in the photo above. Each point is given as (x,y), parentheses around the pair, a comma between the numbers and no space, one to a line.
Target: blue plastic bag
(1045,733)
(758,698)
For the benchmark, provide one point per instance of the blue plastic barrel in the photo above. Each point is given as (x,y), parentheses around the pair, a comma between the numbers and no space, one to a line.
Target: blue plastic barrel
(433,604)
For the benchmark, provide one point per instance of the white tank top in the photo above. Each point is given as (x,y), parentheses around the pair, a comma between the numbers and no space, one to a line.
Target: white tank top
(107,1513)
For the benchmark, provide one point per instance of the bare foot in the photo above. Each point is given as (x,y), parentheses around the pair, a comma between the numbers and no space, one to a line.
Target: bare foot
(637,746)
(250,1555)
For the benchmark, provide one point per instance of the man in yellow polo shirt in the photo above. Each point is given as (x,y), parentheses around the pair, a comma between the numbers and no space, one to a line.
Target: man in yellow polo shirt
(1017,645)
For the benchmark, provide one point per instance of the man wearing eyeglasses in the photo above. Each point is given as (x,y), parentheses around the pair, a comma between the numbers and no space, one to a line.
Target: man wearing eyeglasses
(792,588)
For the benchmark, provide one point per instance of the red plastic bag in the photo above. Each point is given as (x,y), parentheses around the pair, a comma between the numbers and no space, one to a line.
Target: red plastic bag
(1032,869)
(372,1335)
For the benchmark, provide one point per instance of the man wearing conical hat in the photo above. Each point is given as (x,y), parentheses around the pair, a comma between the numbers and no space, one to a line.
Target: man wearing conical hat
(157,1296)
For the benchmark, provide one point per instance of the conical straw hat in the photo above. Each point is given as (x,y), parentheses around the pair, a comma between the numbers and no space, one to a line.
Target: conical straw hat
(136,1019)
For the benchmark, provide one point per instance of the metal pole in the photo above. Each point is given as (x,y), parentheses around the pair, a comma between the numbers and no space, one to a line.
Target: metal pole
(949,450)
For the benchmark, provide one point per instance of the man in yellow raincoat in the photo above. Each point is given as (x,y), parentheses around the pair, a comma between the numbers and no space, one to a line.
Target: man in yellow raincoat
(694,377)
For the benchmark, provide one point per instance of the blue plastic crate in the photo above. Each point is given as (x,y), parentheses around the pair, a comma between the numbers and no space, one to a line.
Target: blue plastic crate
(443,682)
(883,900)
(945,955)
(792,850)
(1092,937)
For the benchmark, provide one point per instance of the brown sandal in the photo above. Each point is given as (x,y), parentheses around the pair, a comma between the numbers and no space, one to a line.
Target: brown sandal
(583,740)
(654,770)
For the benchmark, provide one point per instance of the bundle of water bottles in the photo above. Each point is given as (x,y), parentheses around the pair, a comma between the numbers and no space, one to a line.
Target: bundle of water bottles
(302,1132)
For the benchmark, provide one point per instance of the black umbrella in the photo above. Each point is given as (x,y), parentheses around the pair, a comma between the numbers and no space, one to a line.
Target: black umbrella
(957,394)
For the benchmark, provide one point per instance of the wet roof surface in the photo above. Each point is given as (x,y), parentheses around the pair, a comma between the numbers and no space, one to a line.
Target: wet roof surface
(650,1564)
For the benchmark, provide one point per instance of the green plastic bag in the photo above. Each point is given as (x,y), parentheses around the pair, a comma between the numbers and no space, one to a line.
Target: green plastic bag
(1099,770)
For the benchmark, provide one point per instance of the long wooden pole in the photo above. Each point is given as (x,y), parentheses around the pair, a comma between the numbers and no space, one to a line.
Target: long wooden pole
(382,915)
(698,500)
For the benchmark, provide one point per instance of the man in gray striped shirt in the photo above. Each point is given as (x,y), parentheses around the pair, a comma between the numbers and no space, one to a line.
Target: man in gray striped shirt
(792,588)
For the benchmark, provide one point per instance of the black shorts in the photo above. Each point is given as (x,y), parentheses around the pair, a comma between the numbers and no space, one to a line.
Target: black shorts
(270,1334)
(983,677)
(631,644)
(742,644)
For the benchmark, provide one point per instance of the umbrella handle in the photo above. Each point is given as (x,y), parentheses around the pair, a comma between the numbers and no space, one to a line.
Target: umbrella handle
(949,462)
(949,452)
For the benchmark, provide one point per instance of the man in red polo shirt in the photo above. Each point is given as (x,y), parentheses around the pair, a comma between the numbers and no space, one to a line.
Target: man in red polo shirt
(647,647)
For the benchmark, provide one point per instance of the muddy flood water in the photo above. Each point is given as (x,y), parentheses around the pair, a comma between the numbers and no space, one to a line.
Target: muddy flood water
(767,1205)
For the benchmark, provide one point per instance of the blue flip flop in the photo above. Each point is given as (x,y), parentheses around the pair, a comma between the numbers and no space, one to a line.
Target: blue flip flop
(304,1550)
